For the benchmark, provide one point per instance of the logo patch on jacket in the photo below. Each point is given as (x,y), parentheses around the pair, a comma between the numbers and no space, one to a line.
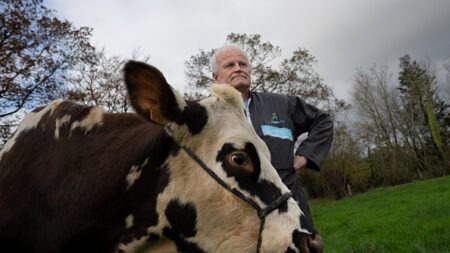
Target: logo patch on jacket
(275,120)
(279,132)
(273,128)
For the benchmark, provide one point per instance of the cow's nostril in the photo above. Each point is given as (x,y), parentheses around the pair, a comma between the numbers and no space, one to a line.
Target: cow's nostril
(315,243)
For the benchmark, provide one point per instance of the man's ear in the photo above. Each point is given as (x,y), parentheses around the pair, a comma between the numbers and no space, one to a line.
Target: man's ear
(214,76)
(150,94)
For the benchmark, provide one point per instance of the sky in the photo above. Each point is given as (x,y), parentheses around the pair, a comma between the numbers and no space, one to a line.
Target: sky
(343,35)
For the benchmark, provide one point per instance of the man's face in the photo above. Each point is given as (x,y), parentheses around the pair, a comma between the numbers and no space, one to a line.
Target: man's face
(233,68)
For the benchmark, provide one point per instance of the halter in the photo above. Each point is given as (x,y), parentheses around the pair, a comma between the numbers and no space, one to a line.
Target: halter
(262,212)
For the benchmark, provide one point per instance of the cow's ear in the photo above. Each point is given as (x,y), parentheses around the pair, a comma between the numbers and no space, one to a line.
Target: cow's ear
(150,94)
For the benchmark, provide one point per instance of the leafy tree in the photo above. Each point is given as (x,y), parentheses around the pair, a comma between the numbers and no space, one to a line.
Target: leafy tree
(100,82)
(445,114)
(36,51)
(447,68)
(294,75)
(420,99)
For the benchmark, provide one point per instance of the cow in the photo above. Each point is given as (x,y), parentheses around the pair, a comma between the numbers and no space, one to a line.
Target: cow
(176,176)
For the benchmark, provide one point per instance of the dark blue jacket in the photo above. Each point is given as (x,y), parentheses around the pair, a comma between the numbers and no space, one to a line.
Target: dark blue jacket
(279,120)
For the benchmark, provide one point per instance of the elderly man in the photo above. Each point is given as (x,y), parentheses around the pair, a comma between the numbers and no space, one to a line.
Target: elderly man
(278,120)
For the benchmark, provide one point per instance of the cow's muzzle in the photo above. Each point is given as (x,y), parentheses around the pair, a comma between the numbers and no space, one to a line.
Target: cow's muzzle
(310,243)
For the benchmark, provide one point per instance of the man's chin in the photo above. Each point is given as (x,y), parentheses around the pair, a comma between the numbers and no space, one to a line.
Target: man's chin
(239,82)
(241,87)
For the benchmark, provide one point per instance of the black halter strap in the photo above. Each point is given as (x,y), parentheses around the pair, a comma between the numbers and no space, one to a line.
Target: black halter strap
(262,212)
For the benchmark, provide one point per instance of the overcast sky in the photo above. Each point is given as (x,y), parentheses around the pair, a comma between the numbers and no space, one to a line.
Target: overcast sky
(343,35)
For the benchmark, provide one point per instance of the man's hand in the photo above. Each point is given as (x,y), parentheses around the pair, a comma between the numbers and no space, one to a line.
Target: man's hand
(299,163)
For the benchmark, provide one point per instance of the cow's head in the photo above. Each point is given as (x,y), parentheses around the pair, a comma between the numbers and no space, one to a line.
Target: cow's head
(197,213)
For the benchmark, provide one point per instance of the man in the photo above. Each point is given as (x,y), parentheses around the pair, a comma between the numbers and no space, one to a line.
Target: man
(278,120)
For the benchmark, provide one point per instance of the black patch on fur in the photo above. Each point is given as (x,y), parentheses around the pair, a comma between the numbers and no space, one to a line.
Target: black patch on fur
(297,238)
(153,237)
(181,243)
(265,190)
(142,200)
(268,193)
(182,218)
(195,117)
(283,208)
(300,240)
(306,222)
(251,151)
(175,150)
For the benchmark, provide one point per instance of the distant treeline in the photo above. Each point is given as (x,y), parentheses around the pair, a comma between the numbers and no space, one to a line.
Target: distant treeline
(400,132)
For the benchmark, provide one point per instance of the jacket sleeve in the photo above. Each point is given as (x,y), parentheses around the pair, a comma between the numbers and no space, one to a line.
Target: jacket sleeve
(319,125)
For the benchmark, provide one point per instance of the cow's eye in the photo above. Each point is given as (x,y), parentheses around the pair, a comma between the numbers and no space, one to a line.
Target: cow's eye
(238,158)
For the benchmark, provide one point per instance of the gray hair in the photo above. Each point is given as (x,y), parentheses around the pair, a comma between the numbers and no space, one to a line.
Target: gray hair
(225,48)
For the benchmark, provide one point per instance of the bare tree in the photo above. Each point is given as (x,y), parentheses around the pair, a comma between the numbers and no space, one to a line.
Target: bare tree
(374,97)
(36,50)
(100,83)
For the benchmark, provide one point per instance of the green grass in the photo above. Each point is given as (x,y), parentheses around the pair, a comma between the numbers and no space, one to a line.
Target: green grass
(409,218)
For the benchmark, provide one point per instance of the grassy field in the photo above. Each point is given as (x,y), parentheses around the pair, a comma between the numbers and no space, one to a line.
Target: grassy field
(409,218)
